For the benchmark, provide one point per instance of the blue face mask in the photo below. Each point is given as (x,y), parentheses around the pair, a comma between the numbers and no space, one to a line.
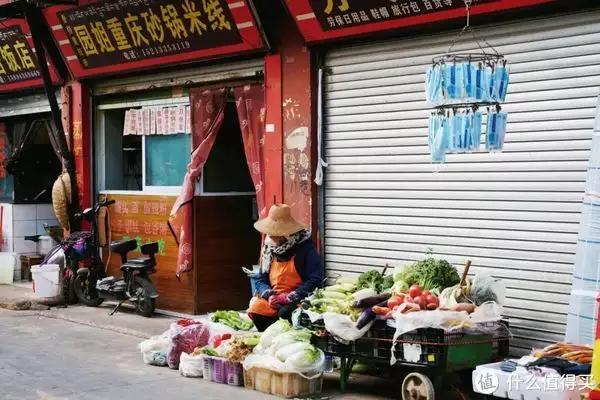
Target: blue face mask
(433,84)
(469,76)
(453,78)
(496,131)
(501,76)
(438,135)
(475,134)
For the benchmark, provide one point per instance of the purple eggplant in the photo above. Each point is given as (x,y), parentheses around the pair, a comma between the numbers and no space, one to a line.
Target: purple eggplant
(365,317)
(371,301)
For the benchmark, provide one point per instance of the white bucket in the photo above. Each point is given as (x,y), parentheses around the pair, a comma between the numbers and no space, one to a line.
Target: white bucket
(46,280)
(8,262)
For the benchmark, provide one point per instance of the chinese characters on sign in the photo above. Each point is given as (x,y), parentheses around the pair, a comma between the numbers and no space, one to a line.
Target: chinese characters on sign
(17,61)
(336,14)
(144,220)
(113,32)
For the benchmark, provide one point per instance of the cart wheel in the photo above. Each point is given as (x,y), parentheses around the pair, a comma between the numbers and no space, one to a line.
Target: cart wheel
(417,387)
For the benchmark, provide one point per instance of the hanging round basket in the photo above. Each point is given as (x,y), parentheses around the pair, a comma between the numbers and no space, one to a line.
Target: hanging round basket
(61,198)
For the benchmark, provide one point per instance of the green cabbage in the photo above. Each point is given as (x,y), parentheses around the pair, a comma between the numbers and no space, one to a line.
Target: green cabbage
(303,360)
(287,351)
(290,337)
(273,331)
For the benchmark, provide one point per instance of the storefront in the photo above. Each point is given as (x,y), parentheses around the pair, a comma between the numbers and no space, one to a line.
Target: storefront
(29,163)
(146,126)
(515,214)
(142,148)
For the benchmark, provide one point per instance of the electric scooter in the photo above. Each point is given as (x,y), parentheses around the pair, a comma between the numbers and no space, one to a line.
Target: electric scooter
(91,285)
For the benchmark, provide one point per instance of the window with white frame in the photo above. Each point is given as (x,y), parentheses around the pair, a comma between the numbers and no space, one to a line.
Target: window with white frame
(145,147)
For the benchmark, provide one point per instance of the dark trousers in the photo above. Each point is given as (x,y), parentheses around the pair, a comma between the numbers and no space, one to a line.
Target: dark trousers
(285,312)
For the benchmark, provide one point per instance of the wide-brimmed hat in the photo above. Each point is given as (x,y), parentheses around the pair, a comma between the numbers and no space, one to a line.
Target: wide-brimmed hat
(279,222)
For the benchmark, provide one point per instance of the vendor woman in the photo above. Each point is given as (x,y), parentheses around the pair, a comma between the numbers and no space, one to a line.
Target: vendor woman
(291,268)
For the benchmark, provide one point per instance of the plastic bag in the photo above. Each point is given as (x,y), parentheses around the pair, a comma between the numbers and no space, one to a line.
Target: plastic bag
(475,133)
(342,328)
(155,357)
(487,288)
(186,341)
(433,84)
(191,366)
(496,131)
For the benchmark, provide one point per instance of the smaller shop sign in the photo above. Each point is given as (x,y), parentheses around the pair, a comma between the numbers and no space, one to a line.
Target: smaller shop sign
(321,20)
(119,36)
(19,68)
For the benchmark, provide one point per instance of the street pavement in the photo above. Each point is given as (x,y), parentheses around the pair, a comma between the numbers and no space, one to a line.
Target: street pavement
(80,353)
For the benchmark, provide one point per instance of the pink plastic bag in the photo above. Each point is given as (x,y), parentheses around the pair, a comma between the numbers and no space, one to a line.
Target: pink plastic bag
(186,341)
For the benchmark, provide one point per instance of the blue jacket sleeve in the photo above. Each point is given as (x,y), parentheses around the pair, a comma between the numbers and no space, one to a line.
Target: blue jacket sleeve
(315,271)
(263,288)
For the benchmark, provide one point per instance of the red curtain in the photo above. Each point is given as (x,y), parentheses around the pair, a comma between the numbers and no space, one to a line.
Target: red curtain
(250,102)
(208,111)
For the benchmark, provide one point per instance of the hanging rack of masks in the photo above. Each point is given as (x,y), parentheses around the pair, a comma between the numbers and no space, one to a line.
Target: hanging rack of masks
(467,91)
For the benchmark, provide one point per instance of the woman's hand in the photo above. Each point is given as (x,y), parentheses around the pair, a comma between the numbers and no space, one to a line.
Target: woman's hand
(279,300)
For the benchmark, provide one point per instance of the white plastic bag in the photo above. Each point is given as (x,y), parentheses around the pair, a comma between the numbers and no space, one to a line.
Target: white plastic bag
(154,350)
(342,328)
(191,366)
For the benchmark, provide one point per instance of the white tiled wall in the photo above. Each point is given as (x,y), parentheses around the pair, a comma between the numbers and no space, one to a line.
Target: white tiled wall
(20,220)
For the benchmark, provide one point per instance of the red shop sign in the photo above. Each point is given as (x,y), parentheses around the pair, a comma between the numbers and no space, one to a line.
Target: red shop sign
(321,20)
(111,36)
(19,68)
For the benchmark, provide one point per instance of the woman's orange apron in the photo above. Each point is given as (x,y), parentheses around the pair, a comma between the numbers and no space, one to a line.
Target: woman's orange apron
(284,279)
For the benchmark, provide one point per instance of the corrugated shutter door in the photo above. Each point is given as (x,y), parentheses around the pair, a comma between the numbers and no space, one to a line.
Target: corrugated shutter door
(515,214)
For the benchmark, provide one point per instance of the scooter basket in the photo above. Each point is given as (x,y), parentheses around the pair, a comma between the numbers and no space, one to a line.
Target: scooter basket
(78,246)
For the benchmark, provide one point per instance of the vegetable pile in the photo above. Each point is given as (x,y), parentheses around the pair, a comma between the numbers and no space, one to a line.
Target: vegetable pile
(233,320)
(430,274)
(240,347)
(287,347)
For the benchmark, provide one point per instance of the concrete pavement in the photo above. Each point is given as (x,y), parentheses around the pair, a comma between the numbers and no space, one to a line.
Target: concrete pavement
(81,353)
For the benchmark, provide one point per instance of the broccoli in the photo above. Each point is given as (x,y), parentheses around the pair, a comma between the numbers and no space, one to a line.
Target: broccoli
(370,279)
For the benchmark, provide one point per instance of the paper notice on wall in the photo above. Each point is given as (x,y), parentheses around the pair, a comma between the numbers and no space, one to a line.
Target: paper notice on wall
(127,123)
(160,121)
(188,119)
(133,115)
(153,121)
(146,120)
(172,121)
(139,122)
(180,119)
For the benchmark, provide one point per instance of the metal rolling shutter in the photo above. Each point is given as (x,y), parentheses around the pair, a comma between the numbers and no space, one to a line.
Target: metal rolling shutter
(515,214)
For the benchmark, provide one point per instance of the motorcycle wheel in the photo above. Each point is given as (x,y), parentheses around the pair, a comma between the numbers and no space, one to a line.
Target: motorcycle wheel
(144,304)
(88,297)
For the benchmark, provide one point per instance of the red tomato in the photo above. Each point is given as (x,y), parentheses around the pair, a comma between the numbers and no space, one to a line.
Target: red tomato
(431,299)
(414,291)
(419,300)
(426,293)
(395,301)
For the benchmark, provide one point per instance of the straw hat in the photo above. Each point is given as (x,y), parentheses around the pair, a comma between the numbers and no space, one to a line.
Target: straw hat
(279,222)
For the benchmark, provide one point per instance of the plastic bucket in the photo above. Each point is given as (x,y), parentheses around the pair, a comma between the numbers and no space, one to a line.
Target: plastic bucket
(8,261)
(46,280)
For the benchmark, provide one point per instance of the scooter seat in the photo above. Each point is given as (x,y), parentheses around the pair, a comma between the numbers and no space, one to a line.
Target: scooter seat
(137,263)
(123,247)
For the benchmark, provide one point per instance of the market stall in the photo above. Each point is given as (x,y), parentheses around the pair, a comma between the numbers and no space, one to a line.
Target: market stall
(422,321)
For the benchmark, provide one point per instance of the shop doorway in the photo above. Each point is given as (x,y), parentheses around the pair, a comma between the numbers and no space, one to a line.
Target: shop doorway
(224,214)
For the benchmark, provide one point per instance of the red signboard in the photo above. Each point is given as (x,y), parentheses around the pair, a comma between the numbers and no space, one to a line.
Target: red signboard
(18,62)
(110,36)
(321,20)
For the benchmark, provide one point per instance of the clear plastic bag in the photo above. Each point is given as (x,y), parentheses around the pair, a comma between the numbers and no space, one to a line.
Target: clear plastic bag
(342,328)
(433,84)
(475,132)
(486,288)
(496,131)
(186,341)
(191,366)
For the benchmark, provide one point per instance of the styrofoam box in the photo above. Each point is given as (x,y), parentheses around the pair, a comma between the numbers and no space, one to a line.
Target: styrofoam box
(526,389)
